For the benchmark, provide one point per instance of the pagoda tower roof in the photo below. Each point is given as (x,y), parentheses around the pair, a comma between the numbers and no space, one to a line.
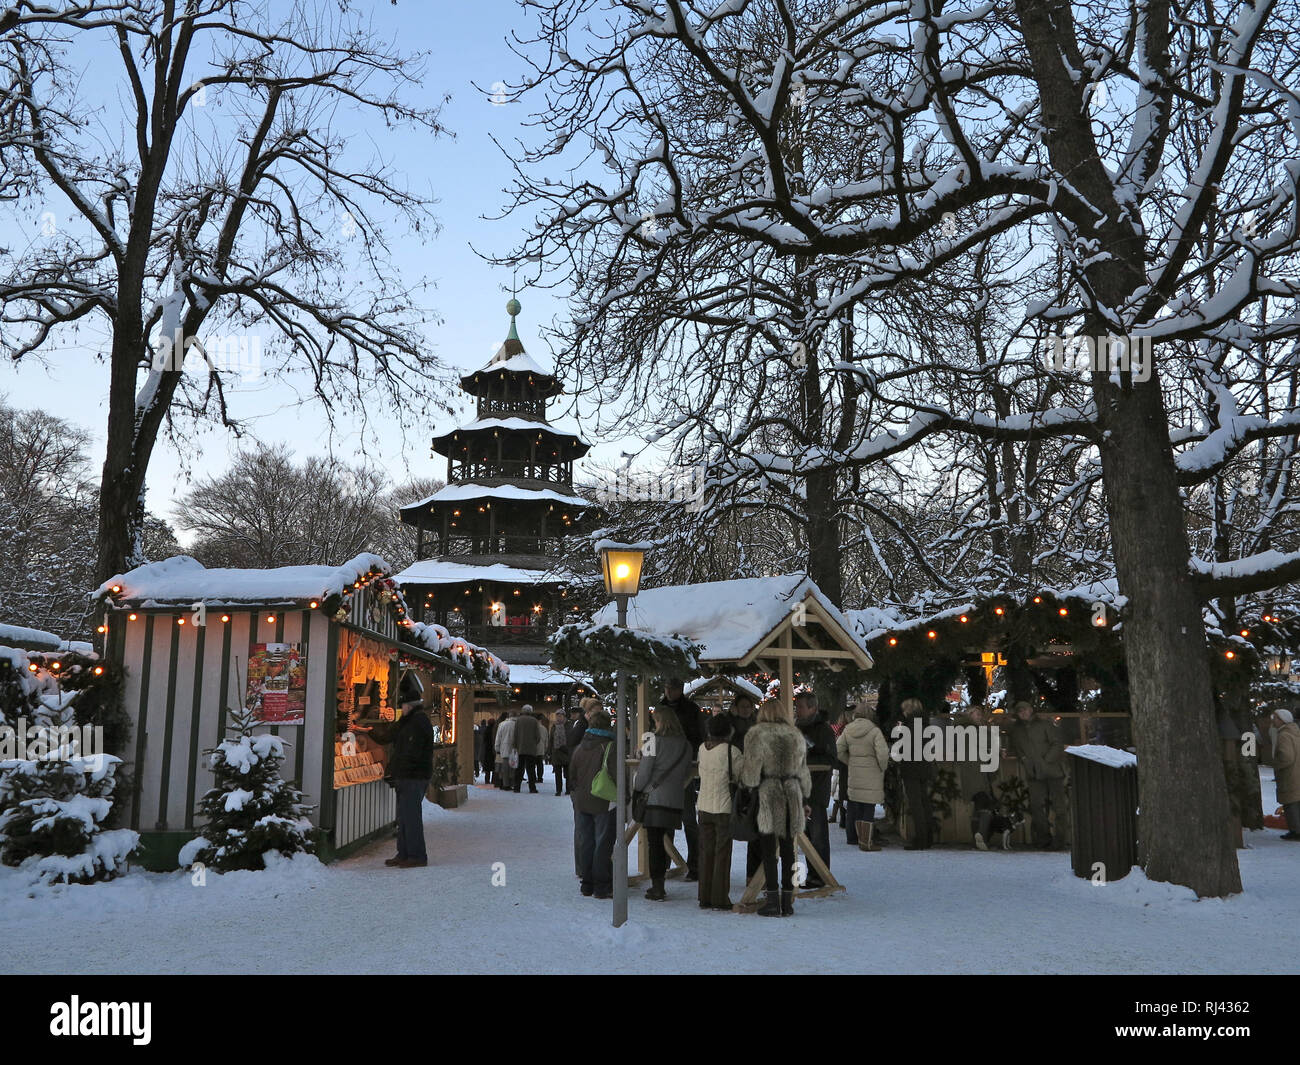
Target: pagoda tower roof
(511,358)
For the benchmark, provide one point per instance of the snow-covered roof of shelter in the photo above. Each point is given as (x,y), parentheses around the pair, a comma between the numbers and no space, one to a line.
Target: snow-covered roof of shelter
(39,640)
(454,493)
(873,620)
(435,571)
(545,675)
(1100,753)
(727,618)
(183,580)
(739,683)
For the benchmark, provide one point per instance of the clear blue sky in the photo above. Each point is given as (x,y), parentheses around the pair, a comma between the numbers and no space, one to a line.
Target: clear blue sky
(467,173)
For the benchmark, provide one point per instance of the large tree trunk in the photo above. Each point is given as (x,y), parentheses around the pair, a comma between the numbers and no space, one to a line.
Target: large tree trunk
(1184,824)
(1185,820)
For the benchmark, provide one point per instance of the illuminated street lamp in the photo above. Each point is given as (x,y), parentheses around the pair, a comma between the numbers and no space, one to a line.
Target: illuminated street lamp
(621,565)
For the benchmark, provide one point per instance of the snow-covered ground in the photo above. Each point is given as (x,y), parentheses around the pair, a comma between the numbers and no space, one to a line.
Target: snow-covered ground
(937,911)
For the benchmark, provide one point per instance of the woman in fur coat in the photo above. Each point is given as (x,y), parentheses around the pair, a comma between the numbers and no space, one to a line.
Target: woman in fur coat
(776,763)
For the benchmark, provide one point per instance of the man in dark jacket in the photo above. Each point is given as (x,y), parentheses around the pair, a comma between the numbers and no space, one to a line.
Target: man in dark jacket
(578,724)
(409,767)
(594,830)
(489,749)
(1040,750)
(530,742)
(820,741)
(693,721)
(740,717)
(916,774)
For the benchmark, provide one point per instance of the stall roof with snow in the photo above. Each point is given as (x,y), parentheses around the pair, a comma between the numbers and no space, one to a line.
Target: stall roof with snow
(744,621)
(770,623)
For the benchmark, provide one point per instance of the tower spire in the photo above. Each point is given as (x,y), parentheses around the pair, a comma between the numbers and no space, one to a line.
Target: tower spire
(513,345)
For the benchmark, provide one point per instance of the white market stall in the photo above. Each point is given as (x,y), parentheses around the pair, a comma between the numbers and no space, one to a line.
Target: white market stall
(311,651)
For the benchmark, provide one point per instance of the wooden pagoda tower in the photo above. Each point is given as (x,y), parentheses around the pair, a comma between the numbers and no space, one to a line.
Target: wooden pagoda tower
(489,543)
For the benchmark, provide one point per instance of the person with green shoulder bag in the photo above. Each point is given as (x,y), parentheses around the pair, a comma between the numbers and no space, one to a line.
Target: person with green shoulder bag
(591,774)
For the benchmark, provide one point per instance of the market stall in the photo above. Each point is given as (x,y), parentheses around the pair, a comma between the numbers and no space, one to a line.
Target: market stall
(310,651)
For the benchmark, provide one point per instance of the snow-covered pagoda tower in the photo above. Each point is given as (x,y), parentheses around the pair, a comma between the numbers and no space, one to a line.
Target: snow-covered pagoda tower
(488,544)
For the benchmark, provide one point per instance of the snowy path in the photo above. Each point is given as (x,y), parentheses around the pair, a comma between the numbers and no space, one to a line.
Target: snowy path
(943,911)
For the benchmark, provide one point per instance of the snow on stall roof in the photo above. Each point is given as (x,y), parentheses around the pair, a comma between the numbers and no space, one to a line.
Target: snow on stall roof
(453,493)
(435,571)
(439,641)
(39,640)
(873,620)
(182,579)
(726,617)
(1103,755)
(740,683)
(545,675)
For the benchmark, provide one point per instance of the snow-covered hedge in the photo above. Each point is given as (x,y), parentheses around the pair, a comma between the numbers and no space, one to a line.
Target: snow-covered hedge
(603,649)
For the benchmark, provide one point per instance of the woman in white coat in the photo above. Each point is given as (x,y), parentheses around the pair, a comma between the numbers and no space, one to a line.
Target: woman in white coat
(863,749)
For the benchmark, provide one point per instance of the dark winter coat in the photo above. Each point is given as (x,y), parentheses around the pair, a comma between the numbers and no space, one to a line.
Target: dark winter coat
(529,737)
(1038,744)
(739,726)
(585,763)
(693,720)
(914,769)
(776,762)
(410,752)
(820,743)
(560,743)
(575,729)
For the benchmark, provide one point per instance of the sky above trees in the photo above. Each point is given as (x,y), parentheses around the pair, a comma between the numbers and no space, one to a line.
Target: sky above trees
(466,46)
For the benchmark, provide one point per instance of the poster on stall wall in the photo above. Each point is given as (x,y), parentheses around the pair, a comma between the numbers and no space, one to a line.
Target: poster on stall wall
(277,684)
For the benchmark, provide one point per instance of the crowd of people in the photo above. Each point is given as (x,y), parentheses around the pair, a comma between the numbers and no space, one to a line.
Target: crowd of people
(693,766)
(690,771)
(512,749)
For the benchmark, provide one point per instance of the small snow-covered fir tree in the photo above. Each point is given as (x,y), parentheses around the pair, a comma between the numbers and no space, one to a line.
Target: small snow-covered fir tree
(251,810)
(54,807)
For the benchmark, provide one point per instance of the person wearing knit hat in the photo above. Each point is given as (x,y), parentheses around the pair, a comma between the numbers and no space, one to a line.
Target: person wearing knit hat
(1286,769)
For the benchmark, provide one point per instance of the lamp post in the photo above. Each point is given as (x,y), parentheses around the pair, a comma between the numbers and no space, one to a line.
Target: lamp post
(621,565)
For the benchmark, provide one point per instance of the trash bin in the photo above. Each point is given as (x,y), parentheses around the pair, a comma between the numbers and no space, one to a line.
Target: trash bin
(1103,808)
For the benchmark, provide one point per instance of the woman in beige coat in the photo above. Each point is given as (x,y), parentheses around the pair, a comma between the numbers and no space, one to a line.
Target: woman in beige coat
(863,749)
(719,768)
(1286,769)
(776,763)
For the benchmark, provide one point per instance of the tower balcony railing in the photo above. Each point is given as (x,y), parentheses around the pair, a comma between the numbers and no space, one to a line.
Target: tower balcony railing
(560,473)
(489,406)
(544,546)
